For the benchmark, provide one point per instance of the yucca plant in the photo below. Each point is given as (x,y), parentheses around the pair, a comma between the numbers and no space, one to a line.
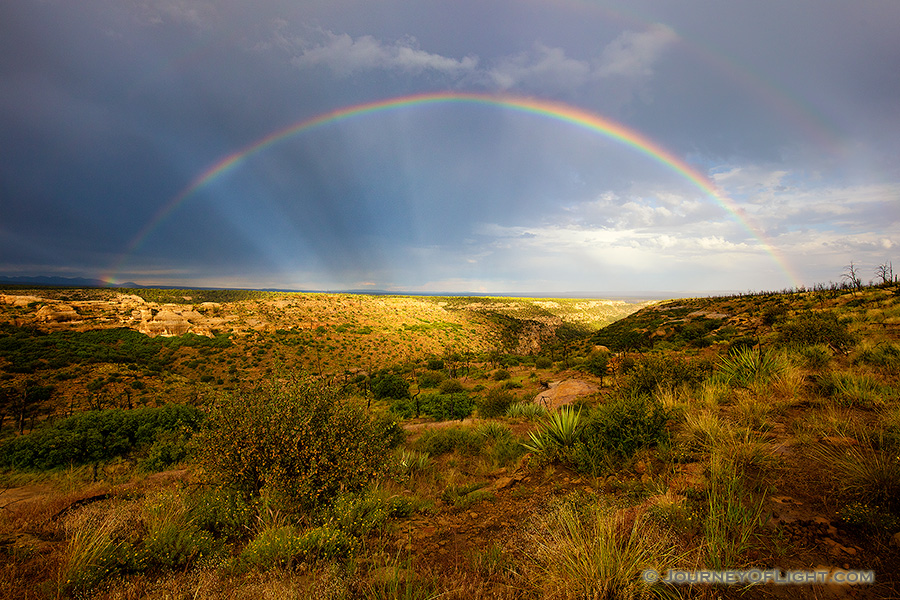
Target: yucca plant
(749,365)
(558,431)
(527,410)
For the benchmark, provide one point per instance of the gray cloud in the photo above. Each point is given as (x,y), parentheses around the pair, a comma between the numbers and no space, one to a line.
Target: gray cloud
(346,55)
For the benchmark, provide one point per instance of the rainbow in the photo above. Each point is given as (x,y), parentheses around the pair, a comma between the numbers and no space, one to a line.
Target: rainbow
(543,108)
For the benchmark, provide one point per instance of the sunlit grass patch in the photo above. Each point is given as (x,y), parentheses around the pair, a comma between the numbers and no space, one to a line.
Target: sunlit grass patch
(93,550)
(732,516)
(596,551)
(863,472)
(852,389)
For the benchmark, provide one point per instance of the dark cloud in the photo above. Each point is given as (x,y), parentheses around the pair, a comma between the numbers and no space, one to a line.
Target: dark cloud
(109,110)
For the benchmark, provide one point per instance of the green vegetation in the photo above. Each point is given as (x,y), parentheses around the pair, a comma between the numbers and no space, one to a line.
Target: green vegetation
(297,440)
(27,350)
(708,419)
(97,436)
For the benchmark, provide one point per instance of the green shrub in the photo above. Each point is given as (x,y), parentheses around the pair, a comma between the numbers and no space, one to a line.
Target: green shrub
(500,375)
(451,386)
(170,448)
(99,435)
(495,403)
(618,429)
(448,439)
(435,364)
(543,362)
(810,328)
(302,440)
(431,379)
(442,407)
(655,372)
(390,386)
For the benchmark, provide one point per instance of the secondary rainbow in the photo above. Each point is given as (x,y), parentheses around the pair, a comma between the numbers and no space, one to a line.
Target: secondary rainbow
(543,108)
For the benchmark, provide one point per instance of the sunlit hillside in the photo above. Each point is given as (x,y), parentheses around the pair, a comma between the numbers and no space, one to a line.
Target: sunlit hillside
(160,443)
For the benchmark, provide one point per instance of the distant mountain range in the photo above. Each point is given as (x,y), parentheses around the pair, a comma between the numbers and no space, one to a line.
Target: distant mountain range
(77,282)
(634,296)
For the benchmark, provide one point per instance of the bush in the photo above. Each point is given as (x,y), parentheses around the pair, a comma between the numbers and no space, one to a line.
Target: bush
(543,362)
(495,403)
(451,386)
(99,435)
(302,440)
(390,386)
(441,441)
(810,328)
(430,379)
(500,375)
(442,407)
(655,371)
(618,429)
(435,364)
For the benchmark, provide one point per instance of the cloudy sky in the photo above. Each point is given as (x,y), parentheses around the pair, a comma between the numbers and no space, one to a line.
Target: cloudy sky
(139,141)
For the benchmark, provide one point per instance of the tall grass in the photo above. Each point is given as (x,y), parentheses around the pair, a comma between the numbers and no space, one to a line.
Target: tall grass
(863,473)
(597,552)
(92,551)
(732,517)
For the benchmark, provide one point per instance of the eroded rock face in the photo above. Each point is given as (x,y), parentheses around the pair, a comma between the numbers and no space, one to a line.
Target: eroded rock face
(56,314)
(19,300)
(165,322)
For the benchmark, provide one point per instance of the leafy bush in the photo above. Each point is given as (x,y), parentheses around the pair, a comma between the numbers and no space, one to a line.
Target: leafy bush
(543,362)
(442,407)
(302,440)
(451,386)
(390,386)
(500,375)
(435,442)
(431,379)
(435,364)
(98,435)
(596,363)
(618,429)
(810,328)
(495,403)
(667,372)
